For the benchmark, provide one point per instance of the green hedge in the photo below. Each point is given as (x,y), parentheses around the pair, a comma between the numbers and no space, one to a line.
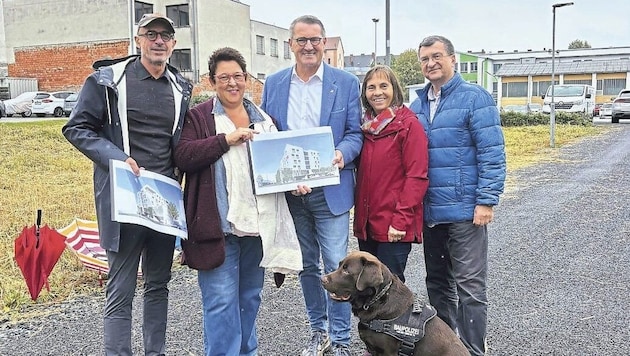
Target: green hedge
(198,99)
(521,119)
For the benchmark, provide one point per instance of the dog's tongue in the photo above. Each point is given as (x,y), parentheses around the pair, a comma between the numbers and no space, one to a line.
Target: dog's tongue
(342,298)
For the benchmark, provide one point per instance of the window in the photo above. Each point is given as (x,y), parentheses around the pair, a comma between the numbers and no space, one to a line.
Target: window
(611,86)
(540,88)
(463,67)
(260,44)
(473,67)
(581,81)
(273,47)
(515,90)
(496,67)
(179,15)
(260,76)
(181,59)
(141,8)
(287,50)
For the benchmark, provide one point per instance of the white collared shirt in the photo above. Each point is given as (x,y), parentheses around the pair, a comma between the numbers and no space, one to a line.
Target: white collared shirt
(434,101)
(305,100)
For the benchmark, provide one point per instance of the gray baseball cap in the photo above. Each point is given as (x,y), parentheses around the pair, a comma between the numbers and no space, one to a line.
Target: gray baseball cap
(150,18)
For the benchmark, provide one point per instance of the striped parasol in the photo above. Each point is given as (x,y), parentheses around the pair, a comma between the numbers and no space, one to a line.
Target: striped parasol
(82,239)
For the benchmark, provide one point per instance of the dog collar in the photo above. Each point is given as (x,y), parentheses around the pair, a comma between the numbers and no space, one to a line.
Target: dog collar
(378,295)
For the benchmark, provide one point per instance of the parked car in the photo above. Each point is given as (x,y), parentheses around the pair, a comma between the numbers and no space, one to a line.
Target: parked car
(50,103)
(21,104)
(621,106)
(596,109)
(516,108)
(534,107)
(605,111)
(69,103)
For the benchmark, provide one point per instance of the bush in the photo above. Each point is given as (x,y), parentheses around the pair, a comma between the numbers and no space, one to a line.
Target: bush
(198,99)
(532,119)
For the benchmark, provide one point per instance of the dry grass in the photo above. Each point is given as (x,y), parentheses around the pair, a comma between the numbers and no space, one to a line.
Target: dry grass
(526,145)
(40,169)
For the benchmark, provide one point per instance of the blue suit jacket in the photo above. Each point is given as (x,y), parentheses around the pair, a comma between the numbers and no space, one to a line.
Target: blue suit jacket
(341,110)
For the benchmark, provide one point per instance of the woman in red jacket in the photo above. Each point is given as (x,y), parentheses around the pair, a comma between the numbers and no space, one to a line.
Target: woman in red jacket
(392,173)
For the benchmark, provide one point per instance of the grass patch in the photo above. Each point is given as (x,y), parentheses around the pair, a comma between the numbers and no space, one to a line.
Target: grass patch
(41,170)
(527,145)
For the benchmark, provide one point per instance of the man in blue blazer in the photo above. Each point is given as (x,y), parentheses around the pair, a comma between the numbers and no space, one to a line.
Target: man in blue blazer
(308,95)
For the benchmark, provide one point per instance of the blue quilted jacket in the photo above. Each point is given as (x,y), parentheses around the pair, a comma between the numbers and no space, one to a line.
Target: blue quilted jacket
(466,151)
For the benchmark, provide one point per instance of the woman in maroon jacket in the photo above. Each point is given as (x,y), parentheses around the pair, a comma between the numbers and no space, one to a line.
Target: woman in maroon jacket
(392,173)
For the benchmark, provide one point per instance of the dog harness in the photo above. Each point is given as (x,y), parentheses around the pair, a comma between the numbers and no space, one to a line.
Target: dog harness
(408,328)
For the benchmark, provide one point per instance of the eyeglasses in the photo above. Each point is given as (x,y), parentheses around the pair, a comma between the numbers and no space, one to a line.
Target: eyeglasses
(436,57)
(302,41)
(152,35)
(238,77)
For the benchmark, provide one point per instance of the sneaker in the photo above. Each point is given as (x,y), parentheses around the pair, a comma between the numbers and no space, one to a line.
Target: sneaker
(341,350)
(319,344)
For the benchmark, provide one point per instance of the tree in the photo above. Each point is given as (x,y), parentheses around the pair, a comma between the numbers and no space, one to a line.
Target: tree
(408,70)
(579,44)
(173,213)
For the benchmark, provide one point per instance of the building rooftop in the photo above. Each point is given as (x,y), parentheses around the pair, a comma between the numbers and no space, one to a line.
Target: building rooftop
(577,67)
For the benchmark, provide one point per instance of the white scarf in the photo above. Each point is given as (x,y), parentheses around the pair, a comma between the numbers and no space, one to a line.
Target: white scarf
(265,215)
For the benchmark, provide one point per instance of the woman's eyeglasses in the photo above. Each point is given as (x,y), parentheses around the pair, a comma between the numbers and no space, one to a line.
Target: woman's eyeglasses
(152,35)
(238,77)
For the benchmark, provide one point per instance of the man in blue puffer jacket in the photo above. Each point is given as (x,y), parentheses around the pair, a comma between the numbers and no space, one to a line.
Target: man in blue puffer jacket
(466,176)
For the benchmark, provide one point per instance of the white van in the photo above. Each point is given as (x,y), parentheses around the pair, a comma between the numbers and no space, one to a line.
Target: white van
(577,98)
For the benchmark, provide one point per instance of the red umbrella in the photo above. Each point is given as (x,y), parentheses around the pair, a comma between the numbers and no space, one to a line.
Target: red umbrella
(37,250)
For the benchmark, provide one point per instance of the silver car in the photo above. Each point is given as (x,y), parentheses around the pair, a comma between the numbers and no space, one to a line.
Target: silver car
(621,106)
(605,111)
(69,103)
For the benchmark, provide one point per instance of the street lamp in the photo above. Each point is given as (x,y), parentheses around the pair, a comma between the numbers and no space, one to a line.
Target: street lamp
(375,20)
(552,106)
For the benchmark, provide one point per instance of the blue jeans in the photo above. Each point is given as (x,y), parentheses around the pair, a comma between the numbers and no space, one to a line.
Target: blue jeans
(231,295)
(321,233)
(456,258)
(393,254)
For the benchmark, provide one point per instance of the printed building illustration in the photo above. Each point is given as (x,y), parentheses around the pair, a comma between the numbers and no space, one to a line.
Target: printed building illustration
(153,206)
(299,164)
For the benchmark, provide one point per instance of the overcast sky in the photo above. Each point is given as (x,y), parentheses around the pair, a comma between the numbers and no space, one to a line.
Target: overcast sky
(491,25)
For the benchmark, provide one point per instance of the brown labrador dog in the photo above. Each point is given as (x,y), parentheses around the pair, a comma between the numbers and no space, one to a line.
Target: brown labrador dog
(376,294)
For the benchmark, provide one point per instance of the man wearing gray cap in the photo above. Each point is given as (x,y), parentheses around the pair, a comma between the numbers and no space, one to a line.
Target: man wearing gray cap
(132,109)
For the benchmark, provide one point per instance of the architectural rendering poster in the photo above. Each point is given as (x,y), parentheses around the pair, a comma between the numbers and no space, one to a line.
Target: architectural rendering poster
(282,160)
(150,200)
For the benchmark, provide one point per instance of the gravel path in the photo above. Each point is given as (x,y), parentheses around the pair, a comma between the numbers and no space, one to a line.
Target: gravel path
(559,274)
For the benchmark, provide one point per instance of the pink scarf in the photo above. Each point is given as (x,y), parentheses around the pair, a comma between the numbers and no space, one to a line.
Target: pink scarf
(375,125)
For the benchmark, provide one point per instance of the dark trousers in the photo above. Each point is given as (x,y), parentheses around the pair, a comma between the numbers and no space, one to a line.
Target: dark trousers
(456,258)
(392,254)
(156,250)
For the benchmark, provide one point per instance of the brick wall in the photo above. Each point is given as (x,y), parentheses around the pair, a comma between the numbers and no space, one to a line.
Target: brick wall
(63,67)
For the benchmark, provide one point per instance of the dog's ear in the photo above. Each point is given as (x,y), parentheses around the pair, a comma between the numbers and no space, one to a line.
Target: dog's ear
(371,275)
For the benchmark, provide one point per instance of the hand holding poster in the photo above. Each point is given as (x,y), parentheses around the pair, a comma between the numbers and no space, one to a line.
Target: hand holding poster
(282,160)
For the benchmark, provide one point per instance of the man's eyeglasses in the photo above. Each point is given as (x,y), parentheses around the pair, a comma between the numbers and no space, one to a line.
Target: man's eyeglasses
(436,57)
(238,77)
(302,41)
(152,35)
